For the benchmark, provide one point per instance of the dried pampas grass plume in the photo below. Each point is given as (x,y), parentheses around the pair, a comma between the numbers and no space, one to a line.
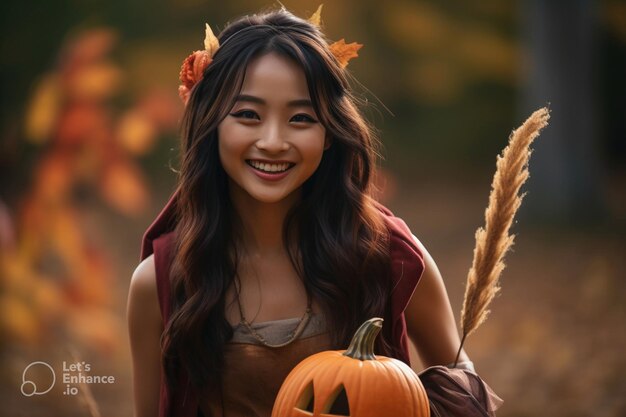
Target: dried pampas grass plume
(85,391)
(494,240)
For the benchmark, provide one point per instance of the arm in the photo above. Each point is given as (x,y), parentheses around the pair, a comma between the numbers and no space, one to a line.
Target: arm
(429,318)
(145,327)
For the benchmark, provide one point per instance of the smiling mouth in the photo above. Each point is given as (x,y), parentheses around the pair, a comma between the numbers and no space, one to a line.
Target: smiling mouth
(270,168)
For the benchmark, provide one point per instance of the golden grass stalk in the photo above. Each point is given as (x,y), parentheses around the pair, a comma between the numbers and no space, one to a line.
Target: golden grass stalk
(494,240)
(87,395)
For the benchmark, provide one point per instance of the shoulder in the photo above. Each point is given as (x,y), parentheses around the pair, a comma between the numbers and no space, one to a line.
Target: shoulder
(160,251)
(153,273)
(143,307)
(143,281)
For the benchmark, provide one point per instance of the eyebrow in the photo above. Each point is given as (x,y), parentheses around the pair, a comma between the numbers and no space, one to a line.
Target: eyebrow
(293,103)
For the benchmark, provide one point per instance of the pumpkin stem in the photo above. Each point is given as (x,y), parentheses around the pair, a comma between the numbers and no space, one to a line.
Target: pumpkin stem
(362,345)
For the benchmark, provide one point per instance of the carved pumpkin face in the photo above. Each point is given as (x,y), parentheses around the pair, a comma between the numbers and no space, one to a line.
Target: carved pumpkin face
(353,383)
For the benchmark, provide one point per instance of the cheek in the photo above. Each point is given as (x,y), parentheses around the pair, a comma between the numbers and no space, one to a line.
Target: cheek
(312,148)
(231,143)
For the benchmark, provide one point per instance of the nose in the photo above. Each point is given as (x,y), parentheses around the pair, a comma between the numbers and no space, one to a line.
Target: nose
(272,139)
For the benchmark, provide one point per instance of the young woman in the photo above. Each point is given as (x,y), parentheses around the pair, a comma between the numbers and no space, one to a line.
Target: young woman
(272,247)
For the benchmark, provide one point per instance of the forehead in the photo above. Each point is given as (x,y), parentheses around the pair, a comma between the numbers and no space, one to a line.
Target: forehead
(274,77)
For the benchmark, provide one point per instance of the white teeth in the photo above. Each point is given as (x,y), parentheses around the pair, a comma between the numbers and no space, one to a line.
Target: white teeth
(269,167)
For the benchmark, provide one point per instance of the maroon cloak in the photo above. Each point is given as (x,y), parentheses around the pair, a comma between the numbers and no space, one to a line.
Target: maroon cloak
(449,391)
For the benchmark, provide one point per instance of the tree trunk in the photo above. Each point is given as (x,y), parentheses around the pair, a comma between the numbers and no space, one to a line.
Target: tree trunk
(566,173)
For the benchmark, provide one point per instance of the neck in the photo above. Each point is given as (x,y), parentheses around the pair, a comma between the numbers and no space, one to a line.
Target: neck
(262,223)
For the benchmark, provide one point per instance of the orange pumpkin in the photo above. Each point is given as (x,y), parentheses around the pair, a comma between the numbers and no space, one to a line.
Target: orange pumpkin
(352,382)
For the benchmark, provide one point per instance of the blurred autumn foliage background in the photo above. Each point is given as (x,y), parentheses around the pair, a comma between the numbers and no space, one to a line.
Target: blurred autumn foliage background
(89,116)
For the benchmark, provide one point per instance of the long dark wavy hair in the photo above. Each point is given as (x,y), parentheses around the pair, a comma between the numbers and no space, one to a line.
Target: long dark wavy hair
(335,236)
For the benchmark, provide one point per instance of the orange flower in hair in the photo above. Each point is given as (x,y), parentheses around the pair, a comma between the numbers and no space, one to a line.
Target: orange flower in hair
(194,65)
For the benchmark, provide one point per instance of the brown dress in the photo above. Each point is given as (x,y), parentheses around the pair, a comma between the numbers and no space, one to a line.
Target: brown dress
(451,392)
(253,373)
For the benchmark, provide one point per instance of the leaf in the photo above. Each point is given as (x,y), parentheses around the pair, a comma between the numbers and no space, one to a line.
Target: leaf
(97,289)
(136,133)
(344,52)
(43,109)
(66,239)
(211,43)
(97,81)
(18,320)
(17,273)
(53,180)
(123,187)
(80,122)
(48,299)
(316,18)
(161,107)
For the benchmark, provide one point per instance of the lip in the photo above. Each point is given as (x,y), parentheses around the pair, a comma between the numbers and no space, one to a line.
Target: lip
(271,161)
(266,175)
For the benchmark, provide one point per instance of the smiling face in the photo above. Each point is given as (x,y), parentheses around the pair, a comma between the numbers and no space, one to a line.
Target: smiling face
(271,142)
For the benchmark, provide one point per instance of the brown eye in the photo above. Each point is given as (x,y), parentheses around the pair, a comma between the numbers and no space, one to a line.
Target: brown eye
(303,118)
(245,114)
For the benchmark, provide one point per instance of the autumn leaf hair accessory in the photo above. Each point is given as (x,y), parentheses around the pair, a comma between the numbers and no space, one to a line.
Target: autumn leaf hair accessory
(342,51)
(194,65)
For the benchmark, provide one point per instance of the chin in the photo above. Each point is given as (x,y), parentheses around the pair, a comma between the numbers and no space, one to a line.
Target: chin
(274,196)
(269,198)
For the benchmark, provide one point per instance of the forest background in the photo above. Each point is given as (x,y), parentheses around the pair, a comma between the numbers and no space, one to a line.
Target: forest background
(88,136)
